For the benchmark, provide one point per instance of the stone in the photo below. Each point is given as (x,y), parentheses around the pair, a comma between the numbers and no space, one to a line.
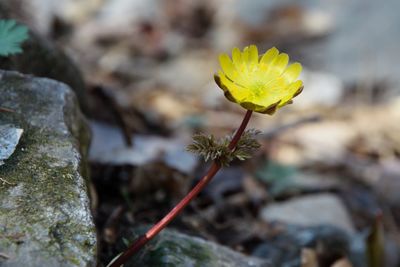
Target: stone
(45,217)
(313,210)
(43,59)
(9,138)
(287,244)
(171,248)
(108,147)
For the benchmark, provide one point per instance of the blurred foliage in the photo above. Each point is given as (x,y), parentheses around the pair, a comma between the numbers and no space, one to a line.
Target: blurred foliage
(12,36)
(276,175)
(375,244)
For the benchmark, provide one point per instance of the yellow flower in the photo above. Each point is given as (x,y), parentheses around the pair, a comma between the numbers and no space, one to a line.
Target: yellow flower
(259,83)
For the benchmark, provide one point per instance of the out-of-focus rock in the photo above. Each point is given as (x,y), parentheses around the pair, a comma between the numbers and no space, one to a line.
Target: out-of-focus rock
(108,147)
(324,142)
(313,210)
(288,243)
(285,180)
(321,89)
(171,248)
(43,59)
(188,73)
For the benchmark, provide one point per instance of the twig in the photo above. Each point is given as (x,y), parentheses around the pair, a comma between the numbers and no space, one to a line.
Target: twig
(6,110)
(4,182)
(4,256)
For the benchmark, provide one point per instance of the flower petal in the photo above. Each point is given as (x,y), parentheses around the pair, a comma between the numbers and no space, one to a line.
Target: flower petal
(269,56)
(236,56)
(291,91)
(245,55)
(227,66)
(262,84)
(237,92)
(253,55)
(278,65)
(273,92)
(292,72)
(271,108)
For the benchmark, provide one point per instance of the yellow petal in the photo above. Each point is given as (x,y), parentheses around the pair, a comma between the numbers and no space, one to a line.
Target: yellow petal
(262,84)
(279,64)
(253,55)
(227,66)
(290,92)
(236,91)
(268,94)
(292,72)
(245,56)
(269,56)
(236,56)
(273,92)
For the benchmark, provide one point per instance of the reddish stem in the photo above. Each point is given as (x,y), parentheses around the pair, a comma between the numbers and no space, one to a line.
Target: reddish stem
(215,167)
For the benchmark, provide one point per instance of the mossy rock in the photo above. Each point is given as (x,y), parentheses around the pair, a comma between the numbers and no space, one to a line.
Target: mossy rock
(173,249)
(45,217)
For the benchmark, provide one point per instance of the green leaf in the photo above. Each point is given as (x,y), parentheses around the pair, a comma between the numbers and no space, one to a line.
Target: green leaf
(12,36)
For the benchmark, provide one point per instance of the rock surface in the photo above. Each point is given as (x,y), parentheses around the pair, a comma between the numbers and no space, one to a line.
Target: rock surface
(45,217)
(9,138)
(314,210)
(171,248)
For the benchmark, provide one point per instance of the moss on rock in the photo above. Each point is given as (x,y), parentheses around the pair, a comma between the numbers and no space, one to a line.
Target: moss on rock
(45,215)
(174,249)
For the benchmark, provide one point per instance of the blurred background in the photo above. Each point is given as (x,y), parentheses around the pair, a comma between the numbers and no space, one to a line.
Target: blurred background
(323,188)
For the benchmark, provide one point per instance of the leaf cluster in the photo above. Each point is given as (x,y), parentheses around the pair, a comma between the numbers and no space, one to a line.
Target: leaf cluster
(211,148)
(12,36)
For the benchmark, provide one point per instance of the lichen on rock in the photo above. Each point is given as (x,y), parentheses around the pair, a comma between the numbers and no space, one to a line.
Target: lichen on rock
(45,217)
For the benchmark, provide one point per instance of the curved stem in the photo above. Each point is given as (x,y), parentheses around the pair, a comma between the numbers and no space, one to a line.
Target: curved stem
(158,227)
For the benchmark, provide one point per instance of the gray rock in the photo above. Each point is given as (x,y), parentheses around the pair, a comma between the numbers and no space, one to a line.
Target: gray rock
(284,247)
(43,59)
(45,217)
(9,138)
(108,147)
(313,210)
(171,248)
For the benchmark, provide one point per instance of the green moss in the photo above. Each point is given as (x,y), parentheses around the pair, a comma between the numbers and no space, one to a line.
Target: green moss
(48,204)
